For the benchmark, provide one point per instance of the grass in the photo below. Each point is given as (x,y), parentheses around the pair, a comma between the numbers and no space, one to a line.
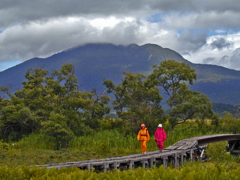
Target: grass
(16,157)
(206,171)
(40,149)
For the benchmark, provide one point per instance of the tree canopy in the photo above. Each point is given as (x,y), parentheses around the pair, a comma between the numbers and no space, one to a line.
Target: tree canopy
(51,104)
(136,100)
(173,77)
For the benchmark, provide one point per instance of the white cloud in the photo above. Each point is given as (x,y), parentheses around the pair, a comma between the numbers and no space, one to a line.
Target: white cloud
(45,38)
(202,30)
(227,56)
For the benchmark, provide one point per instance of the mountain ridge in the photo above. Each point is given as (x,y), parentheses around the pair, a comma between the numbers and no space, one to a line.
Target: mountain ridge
(97,62)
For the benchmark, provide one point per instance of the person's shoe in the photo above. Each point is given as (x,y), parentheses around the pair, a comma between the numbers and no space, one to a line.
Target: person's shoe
(144,152)
(160,150)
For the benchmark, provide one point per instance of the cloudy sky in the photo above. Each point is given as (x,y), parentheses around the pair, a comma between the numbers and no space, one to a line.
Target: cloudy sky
(202,31)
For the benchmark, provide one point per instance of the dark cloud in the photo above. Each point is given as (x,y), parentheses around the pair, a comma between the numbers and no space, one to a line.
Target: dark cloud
(224,60)
(185,54)
(216,20)
(12,11)
(196,5)
(192,40)
(208,60)
(221,43)
(235,59)
(30,28)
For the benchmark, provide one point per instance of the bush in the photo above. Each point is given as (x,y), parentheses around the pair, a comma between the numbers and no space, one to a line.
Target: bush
(4,146)
(57,128)
(208,171)
(230,124)
(217,152)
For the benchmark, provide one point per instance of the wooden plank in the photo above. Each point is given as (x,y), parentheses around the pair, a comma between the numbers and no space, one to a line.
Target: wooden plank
(116,163)
(188,145)
(182,145)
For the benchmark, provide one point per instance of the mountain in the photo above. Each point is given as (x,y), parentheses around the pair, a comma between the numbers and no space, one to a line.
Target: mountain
(95,63)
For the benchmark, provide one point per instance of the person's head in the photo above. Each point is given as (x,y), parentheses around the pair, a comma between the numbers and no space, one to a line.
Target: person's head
(142,126)
(160,126)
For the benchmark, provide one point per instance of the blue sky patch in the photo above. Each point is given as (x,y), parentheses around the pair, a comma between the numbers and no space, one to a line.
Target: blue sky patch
(223,31)
(180,31)
(155,18)
(7,64)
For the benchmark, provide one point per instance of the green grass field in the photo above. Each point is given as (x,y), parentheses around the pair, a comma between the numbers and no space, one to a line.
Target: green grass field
(15,157)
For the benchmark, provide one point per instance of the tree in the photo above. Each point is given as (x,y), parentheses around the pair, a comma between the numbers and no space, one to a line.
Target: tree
(184,104)
(136,101)
(51,99)
(188,105)
(230,124)
(56,126)
(21,113)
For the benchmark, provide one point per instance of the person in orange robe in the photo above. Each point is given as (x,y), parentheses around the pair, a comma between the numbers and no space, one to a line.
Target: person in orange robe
(143,136)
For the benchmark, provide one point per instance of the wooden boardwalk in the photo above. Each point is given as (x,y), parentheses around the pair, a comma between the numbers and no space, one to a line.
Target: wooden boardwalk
(177,154)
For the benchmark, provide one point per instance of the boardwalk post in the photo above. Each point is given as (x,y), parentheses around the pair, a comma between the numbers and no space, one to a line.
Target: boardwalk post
(115,165)
(143,164)
(182,160)
(146,164)
(105,167)
(191,155)
(176,160)
(90,166)
(165,162)
(152,160)
(201,155)
(131,164)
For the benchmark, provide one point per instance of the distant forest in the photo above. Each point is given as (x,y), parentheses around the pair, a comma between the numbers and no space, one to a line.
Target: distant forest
(220,108)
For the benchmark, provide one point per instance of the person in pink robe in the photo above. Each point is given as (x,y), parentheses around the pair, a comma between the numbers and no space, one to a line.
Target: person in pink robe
(160,137)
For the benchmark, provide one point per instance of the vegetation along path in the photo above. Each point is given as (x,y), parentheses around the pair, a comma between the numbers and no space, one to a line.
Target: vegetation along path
(189,148)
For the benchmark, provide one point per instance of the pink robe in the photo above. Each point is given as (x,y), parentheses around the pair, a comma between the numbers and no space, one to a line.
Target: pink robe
(160,134)
(160,137)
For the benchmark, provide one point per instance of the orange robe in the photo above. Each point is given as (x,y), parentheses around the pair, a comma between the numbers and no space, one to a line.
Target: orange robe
(143,136)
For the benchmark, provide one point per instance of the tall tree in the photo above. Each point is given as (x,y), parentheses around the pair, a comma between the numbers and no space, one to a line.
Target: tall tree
(136,101)
(184,104)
